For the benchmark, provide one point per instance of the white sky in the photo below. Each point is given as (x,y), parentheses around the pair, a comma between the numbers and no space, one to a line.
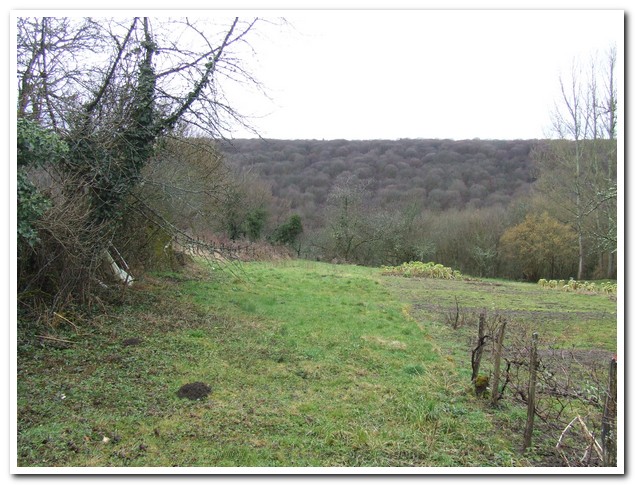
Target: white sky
(459,74)
(409,73)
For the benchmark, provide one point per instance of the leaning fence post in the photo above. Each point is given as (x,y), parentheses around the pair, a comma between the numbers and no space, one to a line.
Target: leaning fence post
(497,361)
(531,399)
(477,353)
(609,418)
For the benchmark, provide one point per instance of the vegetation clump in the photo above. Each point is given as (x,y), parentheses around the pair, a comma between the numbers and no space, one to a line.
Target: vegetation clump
(418,269)
(607,287)
(481,384)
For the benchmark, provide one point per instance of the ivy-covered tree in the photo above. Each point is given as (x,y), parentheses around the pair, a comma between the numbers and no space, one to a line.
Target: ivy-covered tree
(289,231)
(255,223)
(113,90)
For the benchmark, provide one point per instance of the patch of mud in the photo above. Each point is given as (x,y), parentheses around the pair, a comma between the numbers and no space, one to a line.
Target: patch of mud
(194,391)
(483,283)
(585,357)
(129,342)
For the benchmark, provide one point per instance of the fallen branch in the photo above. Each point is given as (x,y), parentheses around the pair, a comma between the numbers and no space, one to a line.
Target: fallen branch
(593,442)
(62,317)
(559,445)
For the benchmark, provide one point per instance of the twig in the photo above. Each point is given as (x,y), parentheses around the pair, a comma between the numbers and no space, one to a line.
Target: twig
(592,439)
(67,321)
(593,442)
(48,337)
(559,444)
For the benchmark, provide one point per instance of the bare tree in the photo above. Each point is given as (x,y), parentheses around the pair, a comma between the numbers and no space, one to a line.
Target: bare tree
(578,170)
(348,228)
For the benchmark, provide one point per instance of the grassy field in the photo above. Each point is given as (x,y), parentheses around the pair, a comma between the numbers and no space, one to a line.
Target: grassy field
(308,365)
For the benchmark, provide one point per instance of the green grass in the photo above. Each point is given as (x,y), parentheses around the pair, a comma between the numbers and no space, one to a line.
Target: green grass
(565,320)
(309,364)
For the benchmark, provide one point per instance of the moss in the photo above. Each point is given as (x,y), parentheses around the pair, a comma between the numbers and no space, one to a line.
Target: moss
(481,384)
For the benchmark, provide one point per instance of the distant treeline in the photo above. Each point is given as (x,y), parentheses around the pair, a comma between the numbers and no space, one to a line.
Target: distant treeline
(437,174)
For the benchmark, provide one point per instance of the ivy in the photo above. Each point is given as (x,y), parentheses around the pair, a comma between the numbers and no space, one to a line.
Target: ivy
(31,206)
(288,232)
(112,170)
(36,148)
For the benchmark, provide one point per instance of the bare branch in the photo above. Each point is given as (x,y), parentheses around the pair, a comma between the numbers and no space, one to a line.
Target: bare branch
(210,67)
(121,47)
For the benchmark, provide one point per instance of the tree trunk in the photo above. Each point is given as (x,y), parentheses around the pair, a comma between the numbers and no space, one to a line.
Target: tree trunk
(580,256)
(610,270)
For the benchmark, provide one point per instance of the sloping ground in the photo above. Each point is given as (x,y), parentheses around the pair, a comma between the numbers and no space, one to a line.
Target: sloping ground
(577,341)
(292,364)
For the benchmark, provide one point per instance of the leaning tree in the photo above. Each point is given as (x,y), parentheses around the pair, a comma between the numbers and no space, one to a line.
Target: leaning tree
(112,91)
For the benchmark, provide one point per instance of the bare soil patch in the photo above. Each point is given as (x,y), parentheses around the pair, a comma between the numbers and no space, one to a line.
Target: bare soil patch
(530,315)
(194,391)
(130,342)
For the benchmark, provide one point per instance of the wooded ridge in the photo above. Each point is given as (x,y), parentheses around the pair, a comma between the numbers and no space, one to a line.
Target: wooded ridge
(437,174)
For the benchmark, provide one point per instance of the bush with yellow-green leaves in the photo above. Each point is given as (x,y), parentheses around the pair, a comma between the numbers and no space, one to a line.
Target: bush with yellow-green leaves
(580,286)
(418,269)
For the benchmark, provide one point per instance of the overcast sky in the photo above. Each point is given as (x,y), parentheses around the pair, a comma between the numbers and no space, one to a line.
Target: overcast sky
(392,74)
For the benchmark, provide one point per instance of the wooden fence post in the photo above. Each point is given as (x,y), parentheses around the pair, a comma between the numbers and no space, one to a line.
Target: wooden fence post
(609,418)
(497,361)
(477,353)
(531,399)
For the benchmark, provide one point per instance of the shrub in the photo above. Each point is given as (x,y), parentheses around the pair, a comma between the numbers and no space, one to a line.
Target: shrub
(580,286)
(418,269)
(540,246)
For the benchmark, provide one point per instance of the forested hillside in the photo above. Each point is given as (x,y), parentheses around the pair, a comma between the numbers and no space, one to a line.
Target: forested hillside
(379,202)
(436,174)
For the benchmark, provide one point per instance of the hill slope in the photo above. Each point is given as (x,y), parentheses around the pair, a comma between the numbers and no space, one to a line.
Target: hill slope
(437,174)
(301,364)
